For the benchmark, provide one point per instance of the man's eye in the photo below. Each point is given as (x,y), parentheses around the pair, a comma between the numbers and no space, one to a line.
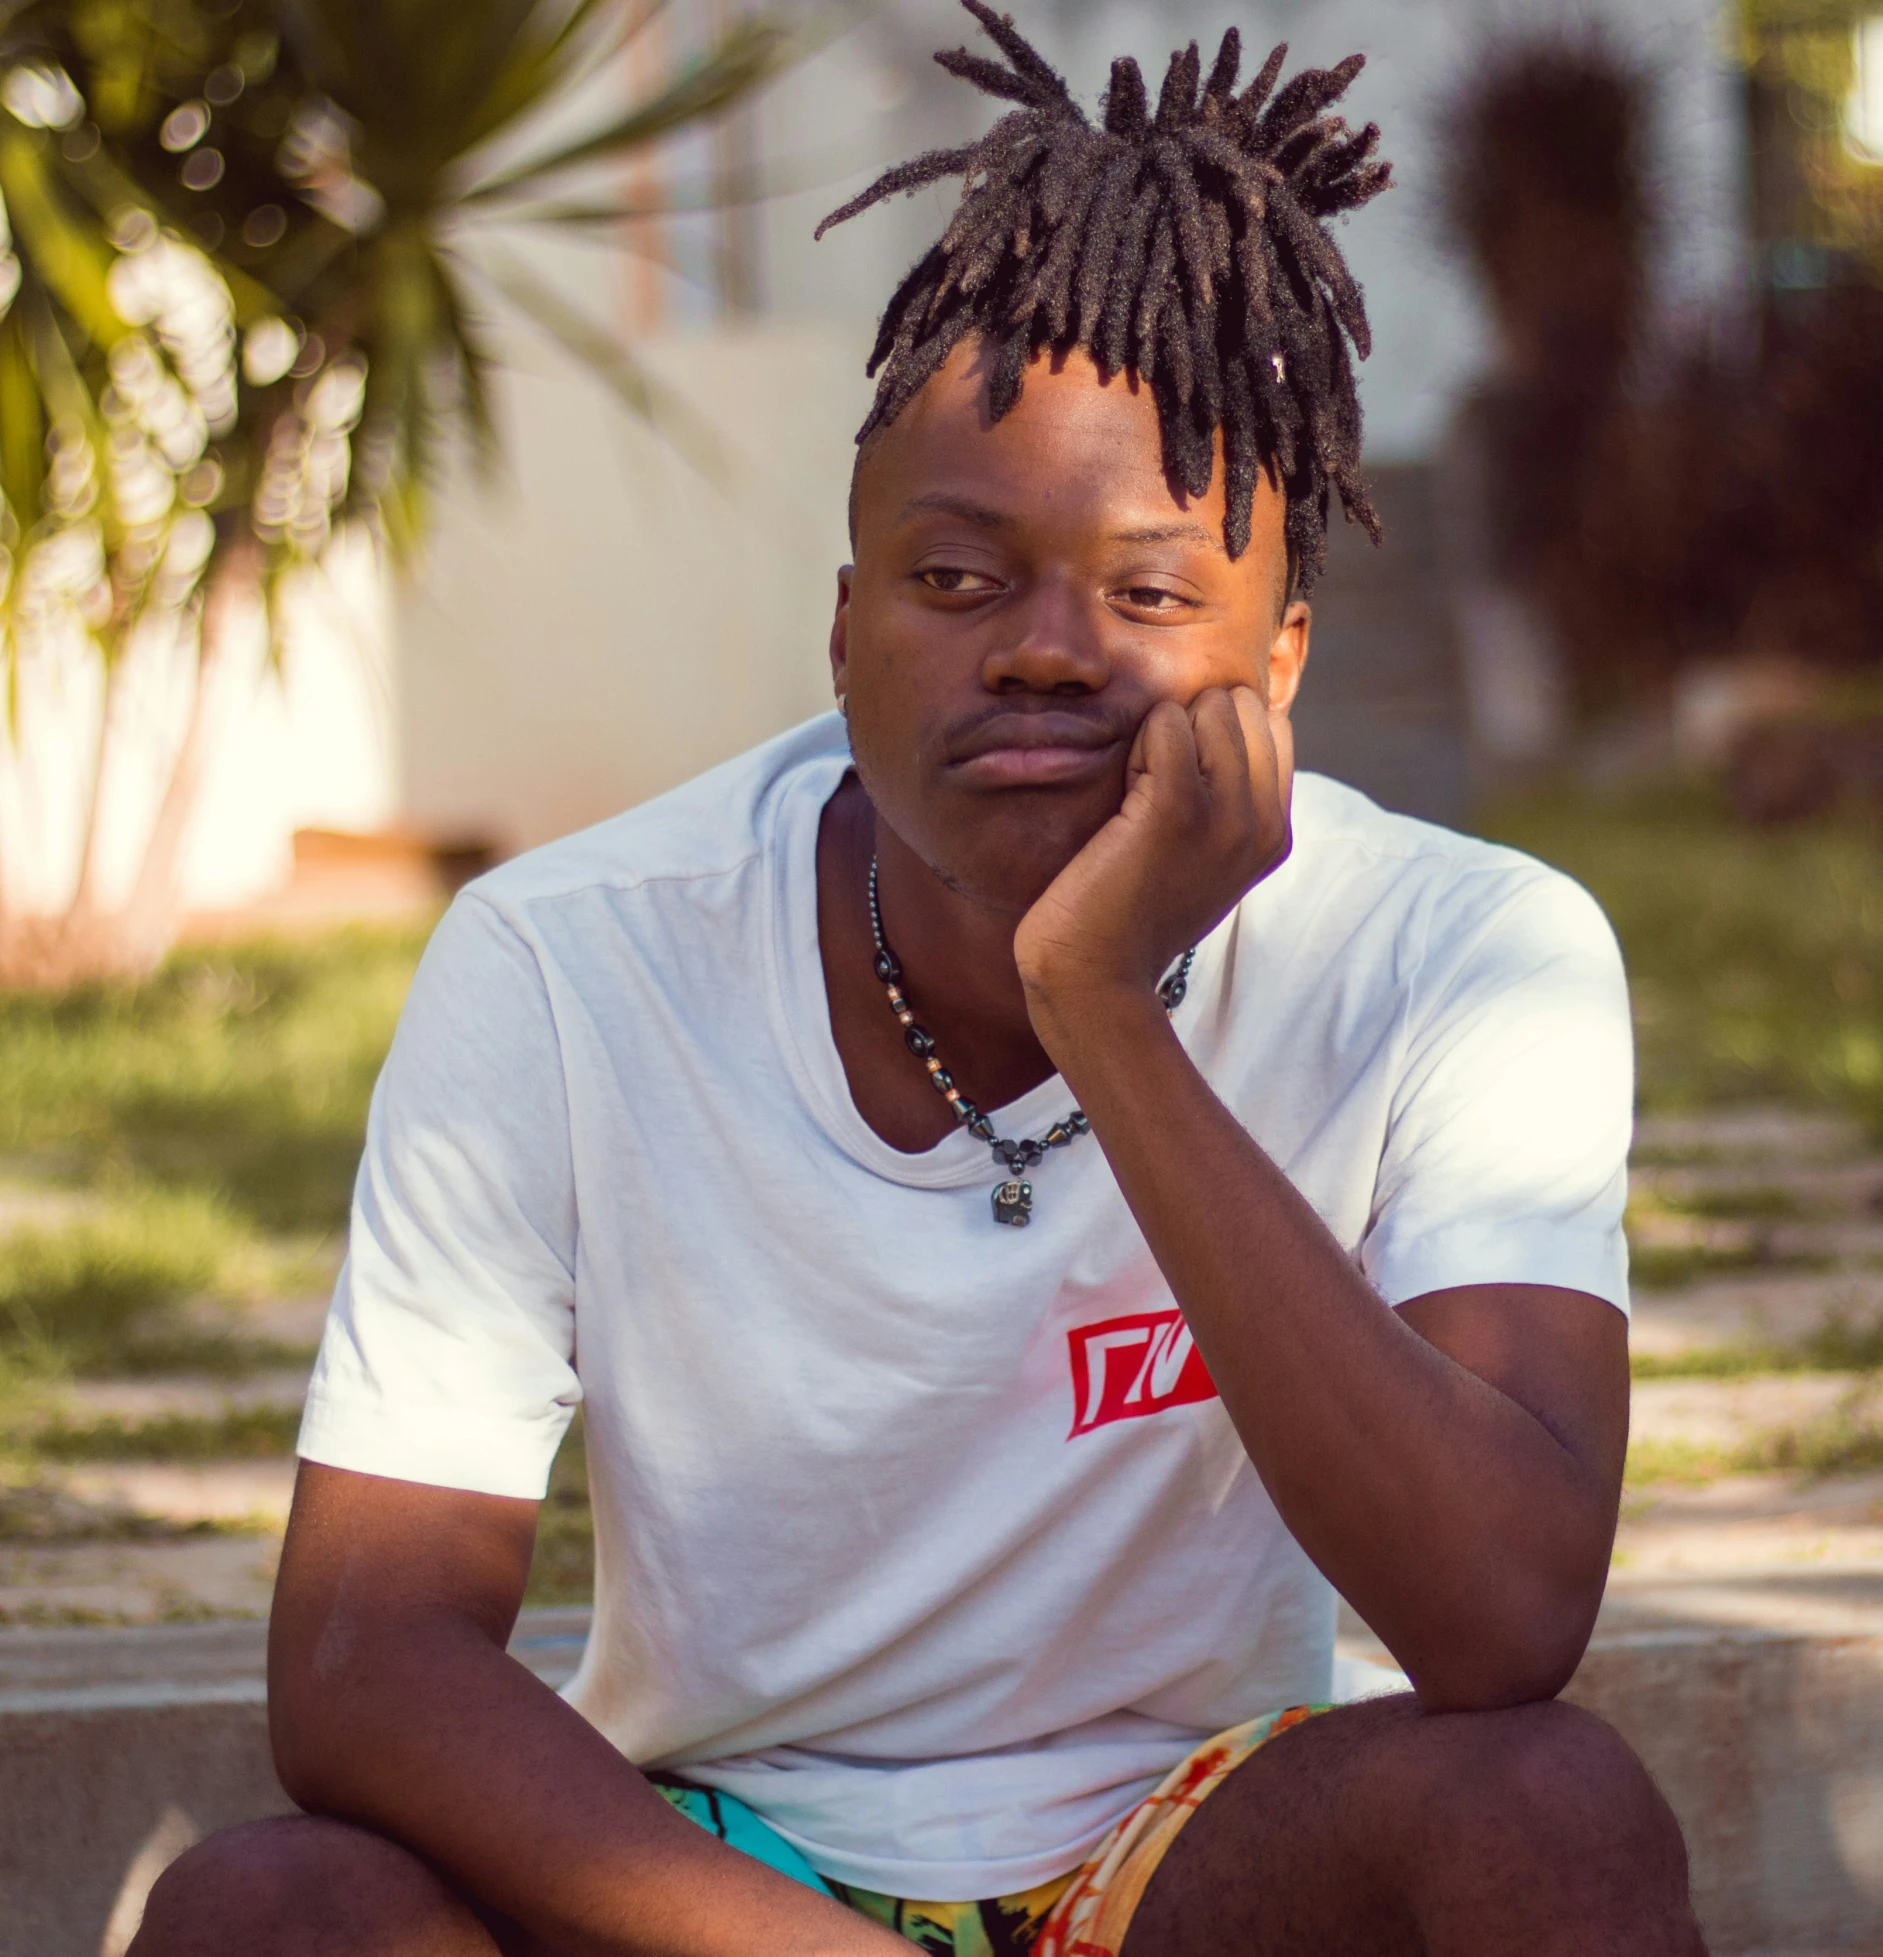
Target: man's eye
(947,578)
(1153,598)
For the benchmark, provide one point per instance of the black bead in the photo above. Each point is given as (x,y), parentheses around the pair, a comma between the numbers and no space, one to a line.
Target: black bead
(1078,1123)
(920,1042)
(1175,991)
(1032,1152)
(1058,1135)
(887,969)
(981,1128)
(965,1111)
(942,1081)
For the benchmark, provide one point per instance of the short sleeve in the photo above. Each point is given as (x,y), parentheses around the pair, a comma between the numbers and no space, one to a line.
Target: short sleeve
(1506,1156)
(449,1346)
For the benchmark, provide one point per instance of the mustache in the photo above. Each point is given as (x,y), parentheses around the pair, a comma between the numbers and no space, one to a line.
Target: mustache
(1040,723)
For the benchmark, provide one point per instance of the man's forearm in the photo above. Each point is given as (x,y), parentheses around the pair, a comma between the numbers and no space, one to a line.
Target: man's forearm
(425,1730)
(1469,1537)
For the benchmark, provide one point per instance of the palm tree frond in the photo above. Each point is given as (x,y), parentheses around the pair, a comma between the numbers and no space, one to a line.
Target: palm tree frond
(749,53)
(73,259)
(471,360)
(593,31)
(22,424)
(108,189)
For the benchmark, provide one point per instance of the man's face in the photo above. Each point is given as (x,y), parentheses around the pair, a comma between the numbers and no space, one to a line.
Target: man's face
(1024,592)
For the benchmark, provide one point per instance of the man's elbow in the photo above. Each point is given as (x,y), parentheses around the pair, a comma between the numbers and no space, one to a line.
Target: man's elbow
(333,1702)
(1527,1655)
(306,1740)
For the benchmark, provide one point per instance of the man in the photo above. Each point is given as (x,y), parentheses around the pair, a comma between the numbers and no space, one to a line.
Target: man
(972,1489)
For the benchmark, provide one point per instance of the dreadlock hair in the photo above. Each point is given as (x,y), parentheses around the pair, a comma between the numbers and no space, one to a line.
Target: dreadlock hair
(1187,244)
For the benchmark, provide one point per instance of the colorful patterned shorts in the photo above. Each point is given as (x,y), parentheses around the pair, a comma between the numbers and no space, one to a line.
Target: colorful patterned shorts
(1083,1914)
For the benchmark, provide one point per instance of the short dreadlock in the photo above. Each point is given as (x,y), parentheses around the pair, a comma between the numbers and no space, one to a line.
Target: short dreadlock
(1188,245)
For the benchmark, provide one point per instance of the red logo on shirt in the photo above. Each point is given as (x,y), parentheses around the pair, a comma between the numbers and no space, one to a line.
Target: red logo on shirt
(1128,1367)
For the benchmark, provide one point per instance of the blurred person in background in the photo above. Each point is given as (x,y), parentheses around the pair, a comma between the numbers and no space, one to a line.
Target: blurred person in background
(1033,1198)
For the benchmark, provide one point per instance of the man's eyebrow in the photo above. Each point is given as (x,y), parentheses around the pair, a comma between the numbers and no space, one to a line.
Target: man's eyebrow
(941,504)
(1170,533)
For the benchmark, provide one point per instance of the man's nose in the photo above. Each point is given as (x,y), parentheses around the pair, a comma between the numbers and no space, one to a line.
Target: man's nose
(1054,644)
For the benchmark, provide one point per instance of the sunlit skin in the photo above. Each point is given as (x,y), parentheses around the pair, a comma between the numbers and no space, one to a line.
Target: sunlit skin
(1024,594)
(1069,710)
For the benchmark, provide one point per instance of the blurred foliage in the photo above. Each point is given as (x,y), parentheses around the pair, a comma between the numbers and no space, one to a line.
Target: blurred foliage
(240,1074)
(250,1433)
(1663,494)
(35,1510)
(1735,509)
(88,1298)
(1755,957)
(1669,1267)
(1842,1344)
(241,303)
(1846,1440)
(1801,58)
(207,1125)
(238,275)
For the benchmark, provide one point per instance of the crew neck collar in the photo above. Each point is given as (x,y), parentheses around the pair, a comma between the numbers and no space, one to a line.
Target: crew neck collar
(801,1004)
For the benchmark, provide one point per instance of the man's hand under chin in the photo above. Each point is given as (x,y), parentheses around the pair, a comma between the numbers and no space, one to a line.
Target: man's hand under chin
(1453,1466)
(1205,817)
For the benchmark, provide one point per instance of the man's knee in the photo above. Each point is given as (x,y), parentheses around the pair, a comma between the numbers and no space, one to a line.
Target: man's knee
(1558,1778)
(301,1887)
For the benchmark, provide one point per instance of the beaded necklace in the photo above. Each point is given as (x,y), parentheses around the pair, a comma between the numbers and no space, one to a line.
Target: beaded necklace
(1013,1199)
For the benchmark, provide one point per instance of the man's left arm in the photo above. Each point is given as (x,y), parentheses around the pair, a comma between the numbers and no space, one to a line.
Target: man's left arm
(1453,1467)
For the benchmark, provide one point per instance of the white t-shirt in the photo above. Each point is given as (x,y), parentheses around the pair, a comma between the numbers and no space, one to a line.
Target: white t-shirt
(926,1537)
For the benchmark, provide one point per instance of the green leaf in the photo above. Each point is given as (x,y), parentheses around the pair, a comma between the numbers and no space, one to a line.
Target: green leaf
(108,189)
(22,424)
(71,256)
(472,361)
(752,52)
(537,72)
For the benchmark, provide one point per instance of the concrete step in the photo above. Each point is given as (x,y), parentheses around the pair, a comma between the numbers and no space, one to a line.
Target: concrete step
(119,1748)
(1770,1748)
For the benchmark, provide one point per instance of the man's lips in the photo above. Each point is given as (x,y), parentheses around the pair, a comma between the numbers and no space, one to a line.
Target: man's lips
(1034,750)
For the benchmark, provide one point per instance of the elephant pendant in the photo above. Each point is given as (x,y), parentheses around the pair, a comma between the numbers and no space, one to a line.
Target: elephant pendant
(1013,1204)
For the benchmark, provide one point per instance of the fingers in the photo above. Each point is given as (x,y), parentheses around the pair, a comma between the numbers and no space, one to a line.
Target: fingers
(1271,771)
(1224,765)
(1222,744)
(1249,775)
(1169,747)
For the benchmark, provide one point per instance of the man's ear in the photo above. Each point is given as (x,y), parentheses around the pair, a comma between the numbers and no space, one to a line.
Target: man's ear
(840,635)
(1288,656)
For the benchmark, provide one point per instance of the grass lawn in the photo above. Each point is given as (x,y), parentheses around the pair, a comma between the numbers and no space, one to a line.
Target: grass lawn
(195,1137)
(1755,956)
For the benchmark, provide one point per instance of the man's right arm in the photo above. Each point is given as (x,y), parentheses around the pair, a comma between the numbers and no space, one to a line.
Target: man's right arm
(393,1703)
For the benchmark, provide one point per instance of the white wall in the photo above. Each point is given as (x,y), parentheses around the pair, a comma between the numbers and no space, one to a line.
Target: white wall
(604,622)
